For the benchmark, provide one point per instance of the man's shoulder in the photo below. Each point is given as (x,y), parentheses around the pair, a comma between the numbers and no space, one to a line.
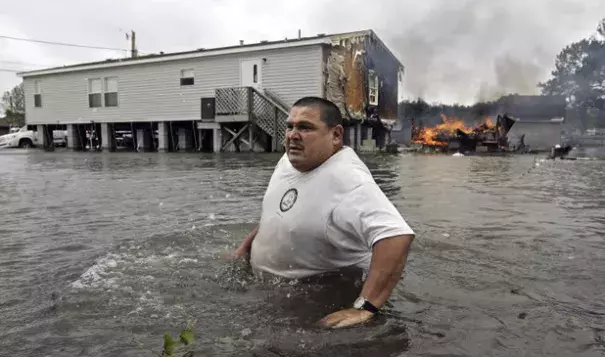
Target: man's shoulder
(350,166)
(347,171)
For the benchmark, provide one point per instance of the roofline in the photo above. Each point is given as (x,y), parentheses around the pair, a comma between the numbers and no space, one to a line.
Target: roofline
(550,121)
(388,49)
(375,35)
(180,56)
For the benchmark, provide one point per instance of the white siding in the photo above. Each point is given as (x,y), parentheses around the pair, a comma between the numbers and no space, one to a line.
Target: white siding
(152,92)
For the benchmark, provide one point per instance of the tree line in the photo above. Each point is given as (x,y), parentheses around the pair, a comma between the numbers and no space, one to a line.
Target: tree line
(13,103)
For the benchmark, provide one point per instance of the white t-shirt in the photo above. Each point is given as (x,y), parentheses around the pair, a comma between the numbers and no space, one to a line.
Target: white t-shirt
(322,220)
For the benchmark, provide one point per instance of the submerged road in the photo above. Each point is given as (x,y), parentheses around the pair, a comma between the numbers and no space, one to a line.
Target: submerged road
(100,254)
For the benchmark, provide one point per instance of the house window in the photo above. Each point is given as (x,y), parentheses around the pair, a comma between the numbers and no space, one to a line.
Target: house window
(111,92)
(37,95)
(187,77)
(373,88)
(94,93)
(255,73)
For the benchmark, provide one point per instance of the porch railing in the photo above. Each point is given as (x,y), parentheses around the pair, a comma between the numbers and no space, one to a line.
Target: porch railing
(233,101)
(265,112)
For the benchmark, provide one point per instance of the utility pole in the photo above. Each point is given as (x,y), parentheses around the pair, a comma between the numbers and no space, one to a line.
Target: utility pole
(133,45)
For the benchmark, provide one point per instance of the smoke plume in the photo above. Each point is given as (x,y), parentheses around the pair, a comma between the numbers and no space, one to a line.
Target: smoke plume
(476,50)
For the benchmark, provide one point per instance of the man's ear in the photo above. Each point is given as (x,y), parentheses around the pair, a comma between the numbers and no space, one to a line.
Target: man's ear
(338,133)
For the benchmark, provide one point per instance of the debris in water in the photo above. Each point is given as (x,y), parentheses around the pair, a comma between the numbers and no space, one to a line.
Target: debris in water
(246,332)
(212,216)
(522,315)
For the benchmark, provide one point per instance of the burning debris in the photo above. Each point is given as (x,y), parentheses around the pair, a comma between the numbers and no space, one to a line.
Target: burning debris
(454,135)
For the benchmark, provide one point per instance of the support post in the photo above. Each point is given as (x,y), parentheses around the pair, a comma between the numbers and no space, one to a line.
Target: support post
(162,137)
(42,134)
(108,138)
(217,140)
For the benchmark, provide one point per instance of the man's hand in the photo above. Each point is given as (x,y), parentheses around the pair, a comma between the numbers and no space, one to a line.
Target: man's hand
(240,253)
(346,318)
(243,251)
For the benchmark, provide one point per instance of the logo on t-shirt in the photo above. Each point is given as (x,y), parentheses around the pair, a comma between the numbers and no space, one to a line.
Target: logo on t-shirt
(288,200)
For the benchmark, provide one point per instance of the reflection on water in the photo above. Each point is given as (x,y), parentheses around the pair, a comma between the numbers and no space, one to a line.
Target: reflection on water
(98,249)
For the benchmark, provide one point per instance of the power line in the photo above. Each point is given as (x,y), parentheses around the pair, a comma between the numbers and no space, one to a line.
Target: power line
(62,43)
(23,63)
(10,70)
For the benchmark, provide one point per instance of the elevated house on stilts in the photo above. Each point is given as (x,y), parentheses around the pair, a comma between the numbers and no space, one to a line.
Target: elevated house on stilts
(233,98)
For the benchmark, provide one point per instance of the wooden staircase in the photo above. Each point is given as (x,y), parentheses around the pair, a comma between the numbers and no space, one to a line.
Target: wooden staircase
(247,104)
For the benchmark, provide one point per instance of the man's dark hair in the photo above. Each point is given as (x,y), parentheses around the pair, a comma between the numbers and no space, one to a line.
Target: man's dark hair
(330,114)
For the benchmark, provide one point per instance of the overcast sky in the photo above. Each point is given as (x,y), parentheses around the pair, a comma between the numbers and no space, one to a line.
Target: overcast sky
(454,51)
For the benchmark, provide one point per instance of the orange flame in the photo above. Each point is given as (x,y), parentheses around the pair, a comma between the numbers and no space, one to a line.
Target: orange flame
(435,136)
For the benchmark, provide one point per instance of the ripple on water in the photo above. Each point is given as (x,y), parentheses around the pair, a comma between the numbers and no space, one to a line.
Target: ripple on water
(98,249)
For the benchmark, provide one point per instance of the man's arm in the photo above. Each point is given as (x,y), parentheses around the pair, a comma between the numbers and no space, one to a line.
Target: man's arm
(370,221)
(389,256)
(388,260)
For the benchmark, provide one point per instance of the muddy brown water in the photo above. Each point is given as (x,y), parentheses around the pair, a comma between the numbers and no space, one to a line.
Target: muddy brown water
(100,254)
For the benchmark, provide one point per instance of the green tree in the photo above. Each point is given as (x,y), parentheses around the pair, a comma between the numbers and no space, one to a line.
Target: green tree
(13,102)
(579,75)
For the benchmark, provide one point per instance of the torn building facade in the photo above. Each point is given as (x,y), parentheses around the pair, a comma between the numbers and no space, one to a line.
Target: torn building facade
(234,98)
(362,78)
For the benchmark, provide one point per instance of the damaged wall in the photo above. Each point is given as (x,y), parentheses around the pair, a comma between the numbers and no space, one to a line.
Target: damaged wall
(347,63)
(345,76)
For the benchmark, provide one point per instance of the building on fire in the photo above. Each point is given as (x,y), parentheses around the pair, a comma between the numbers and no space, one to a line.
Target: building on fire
(222,99)
(517,123)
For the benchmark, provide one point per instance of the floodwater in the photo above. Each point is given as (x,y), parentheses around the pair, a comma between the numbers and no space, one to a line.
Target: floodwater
(101,254)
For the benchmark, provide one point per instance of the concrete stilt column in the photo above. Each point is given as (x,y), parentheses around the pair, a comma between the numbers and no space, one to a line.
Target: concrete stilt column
(162,137)
(144,139)
(185,139)
(351,136)
(108,139)
(217,139)
(357,136)
(42,134)
(74,141)
(368,144)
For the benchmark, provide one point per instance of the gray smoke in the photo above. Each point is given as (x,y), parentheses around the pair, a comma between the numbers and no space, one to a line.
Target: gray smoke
(476,50)
(454,51)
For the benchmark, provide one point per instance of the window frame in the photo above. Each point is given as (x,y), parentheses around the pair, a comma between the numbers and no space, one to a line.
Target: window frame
(106,92)
(373,87)
(93,94)
(37,94)
(187,80)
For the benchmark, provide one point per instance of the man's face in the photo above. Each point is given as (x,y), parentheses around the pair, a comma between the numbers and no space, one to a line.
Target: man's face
(309,141)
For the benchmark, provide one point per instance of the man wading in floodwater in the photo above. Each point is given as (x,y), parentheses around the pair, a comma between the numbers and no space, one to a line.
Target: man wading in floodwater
(322,212)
